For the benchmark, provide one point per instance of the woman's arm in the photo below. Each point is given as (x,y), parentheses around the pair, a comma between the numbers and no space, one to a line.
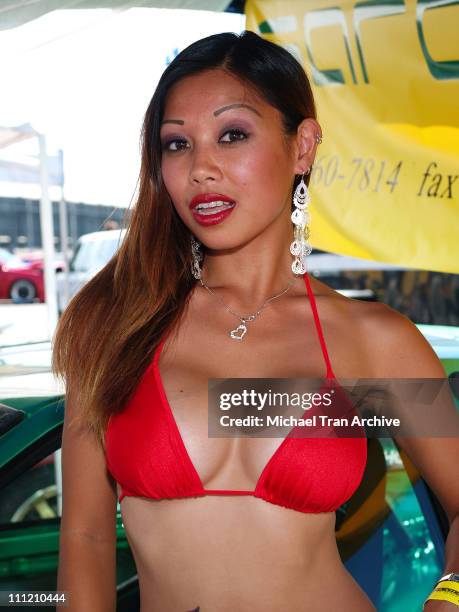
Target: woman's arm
(401,351)
(87,555)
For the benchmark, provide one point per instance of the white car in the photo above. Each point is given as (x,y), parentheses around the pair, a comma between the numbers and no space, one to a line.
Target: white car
(92,252)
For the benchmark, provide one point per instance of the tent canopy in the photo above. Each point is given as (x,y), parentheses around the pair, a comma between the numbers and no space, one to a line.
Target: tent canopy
(17,12)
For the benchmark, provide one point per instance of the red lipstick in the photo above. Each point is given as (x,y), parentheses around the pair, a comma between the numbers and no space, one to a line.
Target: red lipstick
(211,208)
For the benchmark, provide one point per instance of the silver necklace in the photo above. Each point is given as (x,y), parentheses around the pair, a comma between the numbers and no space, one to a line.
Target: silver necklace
(240,331)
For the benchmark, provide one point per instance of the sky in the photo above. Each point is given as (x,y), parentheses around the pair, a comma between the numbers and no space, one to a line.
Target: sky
(84,78)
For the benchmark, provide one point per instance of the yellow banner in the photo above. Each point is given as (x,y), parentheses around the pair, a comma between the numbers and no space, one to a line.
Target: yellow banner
(385,76)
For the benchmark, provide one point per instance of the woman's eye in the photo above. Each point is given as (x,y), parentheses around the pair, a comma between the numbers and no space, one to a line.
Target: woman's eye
(235,135)
(168,146)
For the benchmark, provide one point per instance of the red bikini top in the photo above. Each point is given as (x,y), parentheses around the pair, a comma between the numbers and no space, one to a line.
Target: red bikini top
(146,455)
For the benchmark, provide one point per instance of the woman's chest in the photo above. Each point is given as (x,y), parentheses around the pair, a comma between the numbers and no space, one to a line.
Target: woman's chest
(187,379)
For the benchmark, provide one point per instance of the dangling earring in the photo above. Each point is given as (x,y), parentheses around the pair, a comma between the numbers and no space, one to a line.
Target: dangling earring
(197,258)
(300,248)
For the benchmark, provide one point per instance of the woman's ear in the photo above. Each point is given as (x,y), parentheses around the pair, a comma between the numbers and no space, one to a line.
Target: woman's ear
(308,134)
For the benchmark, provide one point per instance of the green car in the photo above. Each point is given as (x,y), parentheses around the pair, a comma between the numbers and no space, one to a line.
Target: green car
(390,534)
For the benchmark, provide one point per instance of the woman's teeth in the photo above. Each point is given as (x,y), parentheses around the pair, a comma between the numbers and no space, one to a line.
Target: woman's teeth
(214,207)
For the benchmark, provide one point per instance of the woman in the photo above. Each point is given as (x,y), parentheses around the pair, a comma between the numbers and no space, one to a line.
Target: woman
(216,524)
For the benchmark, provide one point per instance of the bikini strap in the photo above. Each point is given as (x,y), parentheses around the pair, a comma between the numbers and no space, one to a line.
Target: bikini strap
(330,373)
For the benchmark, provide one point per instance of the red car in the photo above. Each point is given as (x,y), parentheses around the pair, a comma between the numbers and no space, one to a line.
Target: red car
(20,281)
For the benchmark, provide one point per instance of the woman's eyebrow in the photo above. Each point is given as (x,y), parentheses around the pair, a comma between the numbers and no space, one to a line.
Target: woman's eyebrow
(236,105)
(217,112)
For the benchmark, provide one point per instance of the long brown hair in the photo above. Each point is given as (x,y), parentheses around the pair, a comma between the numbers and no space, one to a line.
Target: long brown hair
(107,335)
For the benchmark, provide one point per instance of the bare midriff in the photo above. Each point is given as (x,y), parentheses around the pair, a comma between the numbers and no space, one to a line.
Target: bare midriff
(237,553)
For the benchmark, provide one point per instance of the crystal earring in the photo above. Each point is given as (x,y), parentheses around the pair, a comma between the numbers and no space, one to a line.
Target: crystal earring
(197,258)
(300,247)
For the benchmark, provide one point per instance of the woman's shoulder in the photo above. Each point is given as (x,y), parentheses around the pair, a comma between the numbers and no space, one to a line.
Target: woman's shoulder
(397,348)
(391,342)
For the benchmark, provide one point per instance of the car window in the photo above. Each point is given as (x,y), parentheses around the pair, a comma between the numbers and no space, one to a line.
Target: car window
(85,256)
(31,496)
(10,259)
(93,254)
(104,252)
(76,261)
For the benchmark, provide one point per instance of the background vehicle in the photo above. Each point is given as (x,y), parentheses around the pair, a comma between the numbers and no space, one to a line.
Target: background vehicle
(21,276)
(20,281)
(36,259)
(92,252)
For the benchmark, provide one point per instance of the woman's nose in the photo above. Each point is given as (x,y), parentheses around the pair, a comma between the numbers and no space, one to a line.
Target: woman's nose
(204,166)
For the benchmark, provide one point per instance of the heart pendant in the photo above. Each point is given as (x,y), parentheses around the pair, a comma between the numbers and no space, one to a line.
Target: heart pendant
(239,332)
